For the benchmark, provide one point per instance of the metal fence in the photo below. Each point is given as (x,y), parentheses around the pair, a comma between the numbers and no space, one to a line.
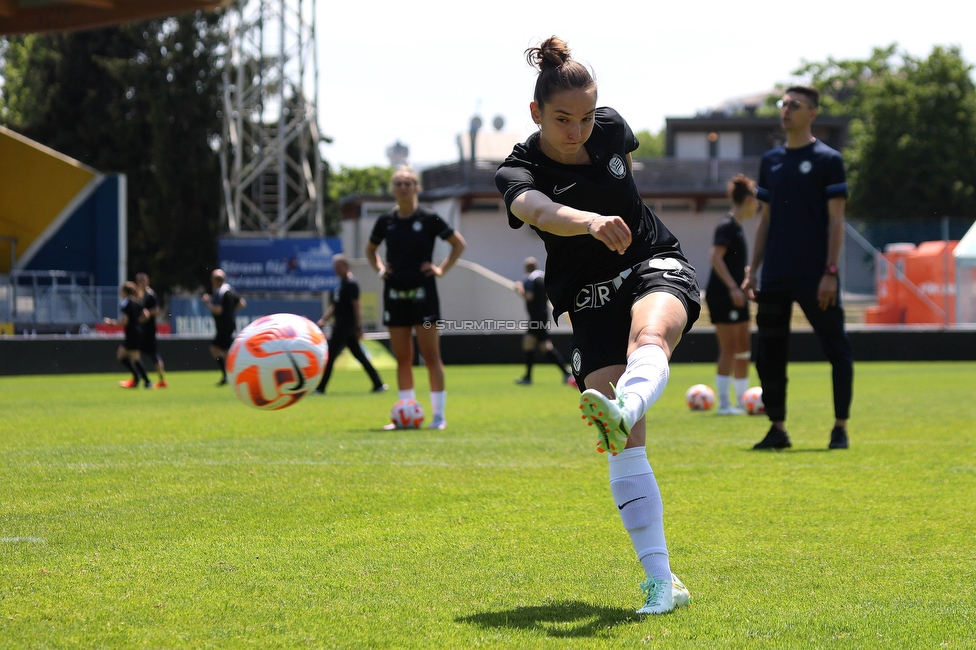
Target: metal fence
(54,298)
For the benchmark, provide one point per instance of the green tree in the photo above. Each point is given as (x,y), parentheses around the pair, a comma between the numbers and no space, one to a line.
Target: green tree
(912,152)
(652,145)
(370,181)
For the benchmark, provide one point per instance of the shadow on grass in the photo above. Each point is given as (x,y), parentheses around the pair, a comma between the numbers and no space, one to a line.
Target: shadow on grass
(561,619)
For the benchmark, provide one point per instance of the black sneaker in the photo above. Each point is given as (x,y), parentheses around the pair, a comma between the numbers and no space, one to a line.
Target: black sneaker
(382,388)
(838,438)
(523,381)
(775,439)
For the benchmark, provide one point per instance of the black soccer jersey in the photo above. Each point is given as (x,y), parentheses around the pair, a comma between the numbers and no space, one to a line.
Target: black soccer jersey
(150,302)
(343,297)
(227,298)
(409,243)
(729,234)
(797,184)
(132,309)
(538,306)
(605,186)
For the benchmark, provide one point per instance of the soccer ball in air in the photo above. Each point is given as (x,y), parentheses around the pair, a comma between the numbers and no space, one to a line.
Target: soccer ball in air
(700,397)
(752,401)
(277,360)
(407,414)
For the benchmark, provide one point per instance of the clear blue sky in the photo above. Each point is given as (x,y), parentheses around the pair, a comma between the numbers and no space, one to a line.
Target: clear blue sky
(418,71)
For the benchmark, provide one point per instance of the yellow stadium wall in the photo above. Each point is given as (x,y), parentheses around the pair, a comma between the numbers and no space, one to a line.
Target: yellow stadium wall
(36,185)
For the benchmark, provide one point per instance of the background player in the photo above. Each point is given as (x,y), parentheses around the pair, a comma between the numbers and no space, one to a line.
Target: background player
(410,302)
(128,353)
(347,331)
(728,305)
(150,302)
(532,288)
(223,305)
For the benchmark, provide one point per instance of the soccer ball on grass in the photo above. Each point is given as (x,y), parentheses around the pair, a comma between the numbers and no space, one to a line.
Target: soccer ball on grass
(700,397)
(277,360)
(752,401)
(407,414)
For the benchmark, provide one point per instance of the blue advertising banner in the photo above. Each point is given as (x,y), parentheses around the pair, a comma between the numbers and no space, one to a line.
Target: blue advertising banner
(279,264)
(190,316)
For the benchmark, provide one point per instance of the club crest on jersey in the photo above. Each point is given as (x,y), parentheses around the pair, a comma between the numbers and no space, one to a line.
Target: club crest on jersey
(617,166)
(417,226)
(805,167)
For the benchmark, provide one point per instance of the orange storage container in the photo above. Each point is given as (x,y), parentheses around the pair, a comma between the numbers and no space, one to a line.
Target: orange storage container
(886,279)
(884,315)
(933,270)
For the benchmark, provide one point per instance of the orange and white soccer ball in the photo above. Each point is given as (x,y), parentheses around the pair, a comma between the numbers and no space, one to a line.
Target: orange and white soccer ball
(752,401)
(407,414)
(700,397)
(277,360)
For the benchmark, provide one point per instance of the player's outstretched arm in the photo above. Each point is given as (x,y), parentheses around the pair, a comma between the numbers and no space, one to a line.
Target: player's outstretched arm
(537,209)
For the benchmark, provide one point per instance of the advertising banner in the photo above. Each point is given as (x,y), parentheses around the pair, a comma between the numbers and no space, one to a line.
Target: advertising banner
(304,264)
(190,316)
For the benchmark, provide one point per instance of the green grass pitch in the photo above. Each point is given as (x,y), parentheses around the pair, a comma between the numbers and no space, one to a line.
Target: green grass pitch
(181,518)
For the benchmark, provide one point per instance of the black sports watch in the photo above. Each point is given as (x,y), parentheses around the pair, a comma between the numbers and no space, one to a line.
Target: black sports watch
(831,269)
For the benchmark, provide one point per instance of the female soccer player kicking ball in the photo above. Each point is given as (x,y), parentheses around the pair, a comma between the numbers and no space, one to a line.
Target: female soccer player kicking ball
(620,274)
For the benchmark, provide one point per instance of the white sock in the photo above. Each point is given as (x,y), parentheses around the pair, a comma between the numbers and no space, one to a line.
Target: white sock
(643,381)
(722,385)
(638,500)
(409,394)
(741,385)
(437,399)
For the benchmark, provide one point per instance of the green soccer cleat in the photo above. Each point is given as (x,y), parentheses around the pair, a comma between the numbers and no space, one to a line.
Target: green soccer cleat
(663,596)
(606,415)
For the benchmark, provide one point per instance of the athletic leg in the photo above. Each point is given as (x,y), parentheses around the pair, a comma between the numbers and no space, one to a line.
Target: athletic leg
(356,348)
(219,356)
(725,333)
(336,345)
(428,340)
(554,356)
(773,320)
(401,342)
(657,322)
(528,349)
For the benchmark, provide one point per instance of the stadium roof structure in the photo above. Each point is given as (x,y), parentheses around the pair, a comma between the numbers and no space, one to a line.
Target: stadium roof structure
(33,16)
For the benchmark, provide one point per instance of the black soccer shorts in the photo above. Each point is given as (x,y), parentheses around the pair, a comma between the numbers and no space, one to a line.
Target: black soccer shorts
(601,311)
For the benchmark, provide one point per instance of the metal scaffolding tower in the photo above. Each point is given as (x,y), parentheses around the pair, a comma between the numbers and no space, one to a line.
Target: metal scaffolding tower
(269,151)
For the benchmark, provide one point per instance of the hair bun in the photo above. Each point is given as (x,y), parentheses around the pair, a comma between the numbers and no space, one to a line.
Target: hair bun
(551,53)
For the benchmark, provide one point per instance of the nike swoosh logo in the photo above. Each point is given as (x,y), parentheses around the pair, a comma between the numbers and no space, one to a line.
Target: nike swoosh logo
(298,373)
(775,167)
(560,190)
(621,507)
